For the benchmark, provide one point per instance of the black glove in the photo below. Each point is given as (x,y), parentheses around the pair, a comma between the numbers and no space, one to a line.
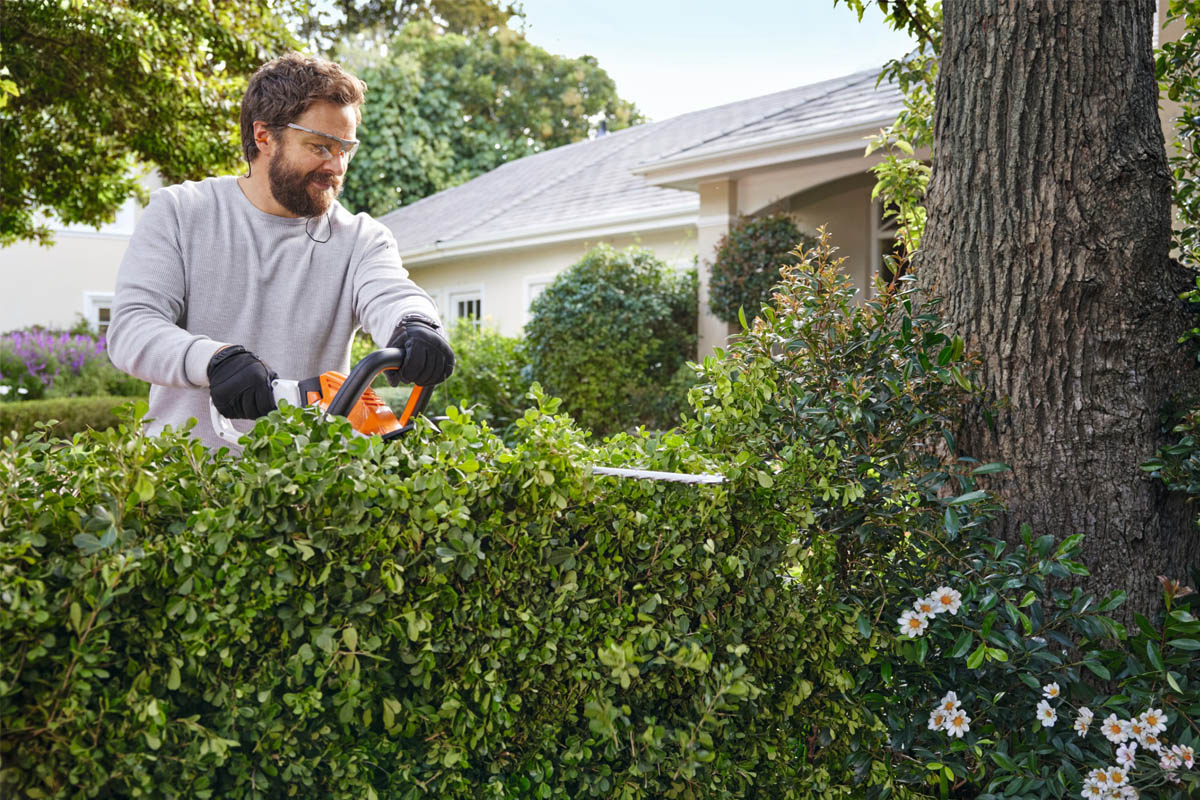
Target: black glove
(428,359)
(240,384)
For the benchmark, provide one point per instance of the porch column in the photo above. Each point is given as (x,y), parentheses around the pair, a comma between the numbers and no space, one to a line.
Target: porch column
(718,210)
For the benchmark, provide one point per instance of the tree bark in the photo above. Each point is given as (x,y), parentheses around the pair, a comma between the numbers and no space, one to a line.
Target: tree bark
(1048,235)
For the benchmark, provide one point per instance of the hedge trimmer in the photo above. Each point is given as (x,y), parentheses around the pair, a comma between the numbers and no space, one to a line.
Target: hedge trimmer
(350,396)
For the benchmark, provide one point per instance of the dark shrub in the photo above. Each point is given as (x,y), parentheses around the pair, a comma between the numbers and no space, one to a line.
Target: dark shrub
(747,262)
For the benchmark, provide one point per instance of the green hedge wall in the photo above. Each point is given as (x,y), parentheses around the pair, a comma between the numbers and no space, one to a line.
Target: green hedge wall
(73,414)
(442,616)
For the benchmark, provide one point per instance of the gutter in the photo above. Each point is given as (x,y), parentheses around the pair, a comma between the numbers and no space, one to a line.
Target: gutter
(676,217)
(689,170)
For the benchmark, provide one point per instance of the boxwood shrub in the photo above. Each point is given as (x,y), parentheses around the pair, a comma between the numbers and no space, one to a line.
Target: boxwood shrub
(442,616)
(746,265)
(611,335)
(453,615)
(70,415)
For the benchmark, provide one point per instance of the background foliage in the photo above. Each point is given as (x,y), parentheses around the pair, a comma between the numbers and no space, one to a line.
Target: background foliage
(746,266)
(444,108)
(96,90)
(65,416)
(610,334)
(491,377)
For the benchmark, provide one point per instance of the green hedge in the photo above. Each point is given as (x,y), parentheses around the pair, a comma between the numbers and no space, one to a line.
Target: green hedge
(442,616)
(74,414)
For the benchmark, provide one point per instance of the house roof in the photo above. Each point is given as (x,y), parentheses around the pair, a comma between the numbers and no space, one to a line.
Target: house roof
(601,184)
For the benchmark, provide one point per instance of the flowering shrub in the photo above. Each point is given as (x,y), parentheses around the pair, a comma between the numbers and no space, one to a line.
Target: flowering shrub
(39,363)
(998,680)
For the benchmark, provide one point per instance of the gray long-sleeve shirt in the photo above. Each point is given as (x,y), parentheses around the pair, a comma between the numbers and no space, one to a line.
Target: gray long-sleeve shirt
(206,268)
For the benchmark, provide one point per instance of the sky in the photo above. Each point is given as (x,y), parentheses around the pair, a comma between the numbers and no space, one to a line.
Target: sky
(670,56)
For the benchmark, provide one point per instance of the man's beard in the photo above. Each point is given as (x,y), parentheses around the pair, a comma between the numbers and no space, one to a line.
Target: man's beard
(291,189)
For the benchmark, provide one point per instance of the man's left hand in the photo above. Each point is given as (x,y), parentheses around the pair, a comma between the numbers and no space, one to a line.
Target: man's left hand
(428,358)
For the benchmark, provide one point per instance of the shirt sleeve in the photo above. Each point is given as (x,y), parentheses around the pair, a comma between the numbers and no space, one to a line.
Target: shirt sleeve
(383,292)
(145,337)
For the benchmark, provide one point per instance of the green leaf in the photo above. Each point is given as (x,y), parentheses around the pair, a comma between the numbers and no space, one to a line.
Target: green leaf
(864,626)
(961,645)
(1098,669)
(969,497)
(1155,657)
(87,542)
(976,658)
(1184,644)
(991,469)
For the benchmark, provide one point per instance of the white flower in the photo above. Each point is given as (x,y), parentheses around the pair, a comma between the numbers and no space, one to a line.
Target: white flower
(1186,754)
(1126,754)
(5,390)
(1137,728)
(1170,761)
(946,599)
(925,606)
(1099,777)
(1117,776)
(1046,715)
(958,724)
(1083,720)
(1128,793)
(1154,720)
(913,624)
(1051,690)
(1115,730)
(1091,791)
(938,719)
(22,390)
(950,702)
(1150,741)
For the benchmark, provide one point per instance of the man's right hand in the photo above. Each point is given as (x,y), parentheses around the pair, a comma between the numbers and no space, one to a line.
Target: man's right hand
(240,384)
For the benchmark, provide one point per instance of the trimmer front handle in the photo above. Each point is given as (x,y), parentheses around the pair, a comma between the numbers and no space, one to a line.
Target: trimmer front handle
(365,372)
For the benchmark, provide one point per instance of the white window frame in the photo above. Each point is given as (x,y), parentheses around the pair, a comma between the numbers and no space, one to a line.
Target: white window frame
(464,294)
(92,303)
(532,282)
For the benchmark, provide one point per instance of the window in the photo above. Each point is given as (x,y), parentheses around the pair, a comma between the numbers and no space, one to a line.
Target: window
(97,310)
(534,286)
(467,304)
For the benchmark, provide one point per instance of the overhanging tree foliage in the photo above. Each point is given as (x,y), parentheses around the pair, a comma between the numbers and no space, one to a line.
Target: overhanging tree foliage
(104,87)
(334,22)
(444,108)
(1048,234)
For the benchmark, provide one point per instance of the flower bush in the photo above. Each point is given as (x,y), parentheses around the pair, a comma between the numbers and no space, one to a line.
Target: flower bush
(40,363)
(1001,696)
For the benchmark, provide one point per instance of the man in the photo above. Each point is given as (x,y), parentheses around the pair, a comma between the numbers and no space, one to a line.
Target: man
(230,282)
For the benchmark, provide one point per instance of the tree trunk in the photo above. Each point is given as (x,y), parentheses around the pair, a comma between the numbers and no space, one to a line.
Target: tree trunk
(1048,234)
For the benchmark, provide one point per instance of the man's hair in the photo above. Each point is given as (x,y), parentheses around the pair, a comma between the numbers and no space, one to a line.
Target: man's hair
(283,88)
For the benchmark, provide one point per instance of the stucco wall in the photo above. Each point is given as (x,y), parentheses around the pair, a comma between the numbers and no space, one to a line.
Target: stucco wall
(46,286)
(844,207)
(504,279)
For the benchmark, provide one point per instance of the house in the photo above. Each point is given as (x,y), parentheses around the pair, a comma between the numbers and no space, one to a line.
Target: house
(485,249)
